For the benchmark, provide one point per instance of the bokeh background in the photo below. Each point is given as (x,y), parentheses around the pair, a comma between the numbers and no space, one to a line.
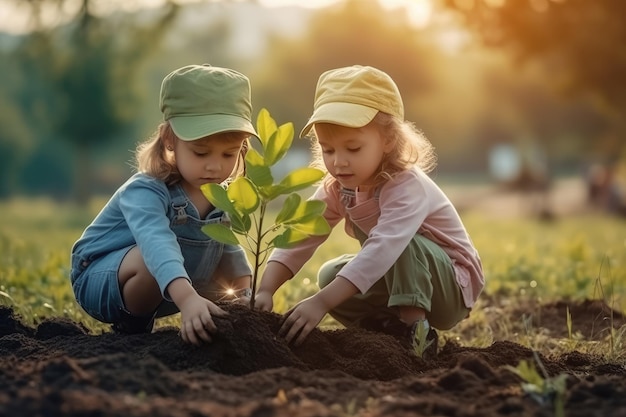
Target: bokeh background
(524,100)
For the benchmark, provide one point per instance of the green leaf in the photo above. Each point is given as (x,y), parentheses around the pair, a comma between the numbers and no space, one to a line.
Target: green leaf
(218,197)
(317,226)
(270,192)
(307,210)
(221,233)
(265,126)
(278,144)
(527,371)
(240,223)
(243,195)
(288,239)
(290,205)
(299,179)
(257,170)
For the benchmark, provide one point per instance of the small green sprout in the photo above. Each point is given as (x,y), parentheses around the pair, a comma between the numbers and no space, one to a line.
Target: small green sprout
(420,343)
(568,319)
(542,388)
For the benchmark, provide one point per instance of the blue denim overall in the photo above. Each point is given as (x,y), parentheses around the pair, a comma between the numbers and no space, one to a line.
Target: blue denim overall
(96,284)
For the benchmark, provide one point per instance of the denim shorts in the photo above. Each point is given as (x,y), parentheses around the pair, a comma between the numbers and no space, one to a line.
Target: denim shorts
(97,289)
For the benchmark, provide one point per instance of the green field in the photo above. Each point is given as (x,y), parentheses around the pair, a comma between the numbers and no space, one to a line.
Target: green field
(569,258)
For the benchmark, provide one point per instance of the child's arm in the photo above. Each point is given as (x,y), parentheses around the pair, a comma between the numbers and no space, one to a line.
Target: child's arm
(283,264)
(196,311)
(275,275)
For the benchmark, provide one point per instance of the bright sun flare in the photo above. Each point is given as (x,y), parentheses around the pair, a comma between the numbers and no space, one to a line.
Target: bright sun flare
(419,11)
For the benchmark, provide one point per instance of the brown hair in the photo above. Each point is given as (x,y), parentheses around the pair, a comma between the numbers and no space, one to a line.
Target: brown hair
(411,147)
(152,158)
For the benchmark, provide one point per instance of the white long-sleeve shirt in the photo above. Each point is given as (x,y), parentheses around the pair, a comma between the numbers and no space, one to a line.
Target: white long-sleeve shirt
(407,204)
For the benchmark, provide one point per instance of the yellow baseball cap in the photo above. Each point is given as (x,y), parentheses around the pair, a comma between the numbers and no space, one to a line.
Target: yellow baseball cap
(352,96)
(202,100)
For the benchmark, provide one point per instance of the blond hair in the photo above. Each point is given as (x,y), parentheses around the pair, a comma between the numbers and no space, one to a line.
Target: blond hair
(152,158)
(411,148)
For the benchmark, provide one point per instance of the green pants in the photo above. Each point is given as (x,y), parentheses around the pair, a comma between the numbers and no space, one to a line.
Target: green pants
(422,277)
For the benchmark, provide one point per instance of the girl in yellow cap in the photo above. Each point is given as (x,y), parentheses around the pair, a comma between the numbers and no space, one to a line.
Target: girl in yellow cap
(417,268)
(145,255)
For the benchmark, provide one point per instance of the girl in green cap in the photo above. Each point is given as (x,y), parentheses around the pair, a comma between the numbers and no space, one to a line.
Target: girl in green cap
(145,255)
(417,268)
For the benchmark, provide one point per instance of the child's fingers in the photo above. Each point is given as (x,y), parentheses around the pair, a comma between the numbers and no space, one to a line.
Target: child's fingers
(188,334)
(242,300)
(217,311)
(198,330)
(291,327)
(304,332)
(208,325)
(284,327)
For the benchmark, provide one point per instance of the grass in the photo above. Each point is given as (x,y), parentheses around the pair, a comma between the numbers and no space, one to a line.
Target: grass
(570,258)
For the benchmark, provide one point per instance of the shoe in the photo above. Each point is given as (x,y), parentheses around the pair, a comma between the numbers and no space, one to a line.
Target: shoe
(431,340)
(130,324)
(387,324)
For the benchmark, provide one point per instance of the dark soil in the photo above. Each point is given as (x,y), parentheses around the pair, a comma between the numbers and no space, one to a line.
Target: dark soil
(60,369)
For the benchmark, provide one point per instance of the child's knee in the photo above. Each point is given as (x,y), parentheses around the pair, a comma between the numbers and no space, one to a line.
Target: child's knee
(446,320)
(330,269)
(326,274)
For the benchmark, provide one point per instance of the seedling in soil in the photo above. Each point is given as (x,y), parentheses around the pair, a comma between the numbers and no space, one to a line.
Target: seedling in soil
(246,198)
(568,320)
(420,344)
(541,387)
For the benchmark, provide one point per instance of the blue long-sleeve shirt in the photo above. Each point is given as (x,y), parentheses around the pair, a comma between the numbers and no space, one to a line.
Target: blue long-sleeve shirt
(141,213)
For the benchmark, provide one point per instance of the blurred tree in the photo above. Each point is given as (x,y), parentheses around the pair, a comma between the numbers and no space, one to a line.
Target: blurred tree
(530,110)
(21,108)
(15,142)
(83,74)
(579,44)
(351,32)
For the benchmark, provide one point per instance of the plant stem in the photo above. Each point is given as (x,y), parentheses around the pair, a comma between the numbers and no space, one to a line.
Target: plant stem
(257,252)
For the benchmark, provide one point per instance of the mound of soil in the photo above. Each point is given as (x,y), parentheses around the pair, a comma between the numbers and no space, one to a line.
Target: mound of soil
(60,369)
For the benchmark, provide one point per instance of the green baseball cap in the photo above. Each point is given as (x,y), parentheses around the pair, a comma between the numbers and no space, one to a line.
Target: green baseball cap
(352,96)
(202,100)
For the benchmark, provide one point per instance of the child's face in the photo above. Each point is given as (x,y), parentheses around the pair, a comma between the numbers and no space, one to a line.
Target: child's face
(352,156)
(208,160)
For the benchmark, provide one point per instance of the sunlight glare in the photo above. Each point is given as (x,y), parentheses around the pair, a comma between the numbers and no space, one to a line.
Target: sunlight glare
(419,11)
(306,4)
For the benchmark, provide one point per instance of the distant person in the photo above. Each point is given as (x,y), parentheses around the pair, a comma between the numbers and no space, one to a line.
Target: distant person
(417,269)
(145,255)
(603,189)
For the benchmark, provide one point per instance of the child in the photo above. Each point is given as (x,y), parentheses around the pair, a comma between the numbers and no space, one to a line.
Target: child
(417,267)
(145,255)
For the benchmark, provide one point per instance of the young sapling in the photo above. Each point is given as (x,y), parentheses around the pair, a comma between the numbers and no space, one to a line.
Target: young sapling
(246,199)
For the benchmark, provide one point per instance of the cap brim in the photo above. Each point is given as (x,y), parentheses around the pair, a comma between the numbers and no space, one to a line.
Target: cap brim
(190,128)
(342,114)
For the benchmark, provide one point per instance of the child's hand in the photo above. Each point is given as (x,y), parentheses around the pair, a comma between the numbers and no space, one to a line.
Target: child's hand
(302,318)
(196,321)
(244,300)
(263,301)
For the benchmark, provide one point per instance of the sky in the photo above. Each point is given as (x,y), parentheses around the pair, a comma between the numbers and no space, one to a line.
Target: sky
(14,19)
